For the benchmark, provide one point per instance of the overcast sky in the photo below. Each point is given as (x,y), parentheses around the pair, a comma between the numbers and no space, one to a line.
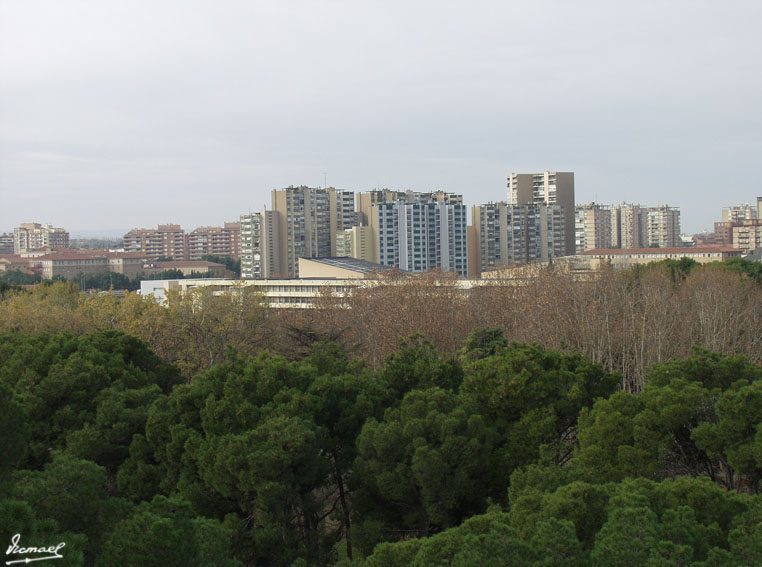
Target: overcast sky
(122,114)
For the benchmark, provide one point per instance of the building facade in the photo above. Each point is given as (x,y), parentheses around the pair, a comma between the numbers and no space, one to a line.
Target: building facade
(305,225)
(593,227)
(6,243)
(32,235)
(166,241)
(746,235)
(504,235)
(215,241)
(548,188)
(626,258)
(260,245)
(663,227)
(420,232)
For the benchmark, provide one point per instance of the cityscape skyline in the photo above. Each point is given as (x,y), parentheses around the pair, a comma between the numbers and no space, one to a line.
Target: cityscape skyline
(194,114)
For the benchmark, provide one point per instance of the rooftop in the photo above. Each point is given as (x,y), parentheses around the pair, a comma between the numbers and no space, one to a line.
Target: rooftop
(659,251)
(354,264)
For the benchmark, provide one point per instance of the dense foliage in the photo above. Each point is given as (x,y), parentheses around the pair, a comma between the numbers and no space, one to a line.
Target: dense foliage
(503,454)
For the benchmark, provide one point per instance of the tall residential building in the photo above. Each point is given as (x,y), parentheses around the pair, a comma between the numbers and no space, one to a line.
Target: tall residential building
(631,228)
(592,227)
(747,235)
(33,235)
(260,245)
(415,231)
(367,216)
(343,214)
(355,242)
(422,236)
(663,227)
(6,243)
(504,234)
(549,188)
(732,216)
(215,240)
(166,241)
(737,213)
(634,226)
(305,225)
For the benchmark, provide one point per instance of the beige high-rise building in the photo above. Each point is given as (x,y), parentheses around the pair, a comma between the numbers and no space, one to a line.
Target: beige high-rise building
(632,227)
(310,219)
(305,225)
(747,235)
(549,188)
(593,227)
(663,227)
(33,235)
(355,242)
(737,213)
(734,216)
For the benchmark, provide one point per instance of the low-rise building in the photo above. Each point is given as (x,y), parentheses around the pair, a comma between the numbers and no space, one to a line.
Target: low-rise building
(188,268)
(628,257)
(70,265)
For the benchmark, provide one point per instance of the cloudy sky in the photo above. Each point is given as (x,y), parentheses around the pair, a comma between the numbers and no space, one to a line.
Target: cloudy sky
(122,114)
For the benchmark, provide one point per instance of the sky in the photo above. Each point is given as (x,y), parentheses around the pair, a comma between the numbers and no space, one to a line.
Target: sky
(123,114)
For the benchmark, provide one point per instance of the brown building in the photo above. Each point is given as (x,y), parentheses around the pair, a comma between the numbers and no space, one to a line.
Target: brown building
(166,241)
(216,241)
(622,258)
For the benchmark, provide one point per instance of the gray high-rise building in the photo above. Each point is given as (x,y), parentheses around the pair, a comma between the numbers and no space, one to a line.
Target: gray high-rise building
(310,219)
(504,234)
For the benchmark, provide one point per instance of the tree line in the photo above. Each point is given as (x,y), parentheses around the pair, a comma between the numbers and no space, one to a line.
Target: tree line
(626,321)
(500,453)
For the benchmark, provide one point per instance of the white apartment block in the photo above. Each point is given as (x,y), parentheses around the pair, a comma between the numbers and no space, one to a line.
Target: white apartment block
(422,236)
(260,245)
